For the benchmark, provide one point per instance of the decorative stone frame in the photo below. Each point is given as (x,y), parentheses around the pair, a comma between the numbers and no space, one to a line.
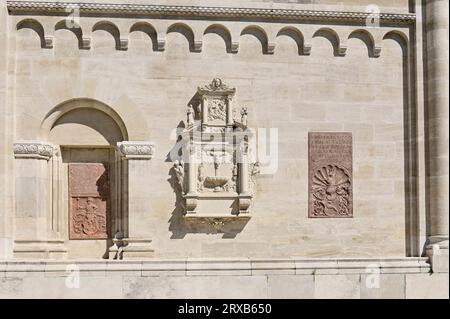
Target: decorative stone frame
(206,197)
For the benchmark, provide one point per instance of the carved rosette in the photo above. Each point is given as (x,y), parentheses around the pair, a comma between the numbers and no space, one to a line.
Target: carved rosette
(136,150)
(33,150)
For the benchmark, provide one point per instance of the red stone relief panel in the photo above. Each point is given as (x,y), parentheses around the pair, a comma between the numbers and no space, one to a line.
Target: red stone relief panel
(89,201)
(330,175)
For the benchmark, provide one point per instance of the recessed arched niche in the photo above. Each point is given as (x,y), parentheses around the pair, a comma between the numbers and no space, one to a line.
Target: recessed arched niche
(88,177)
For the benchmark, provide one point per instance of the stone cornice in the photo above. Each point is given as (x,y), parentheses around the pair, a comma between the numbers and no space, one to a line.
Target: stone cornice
(35,7)
(33,150)
(234,266)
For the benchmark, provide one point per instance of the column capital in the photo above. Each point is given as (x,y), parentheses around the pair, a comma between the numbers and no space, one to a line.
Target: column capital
(136,149)
(33,150)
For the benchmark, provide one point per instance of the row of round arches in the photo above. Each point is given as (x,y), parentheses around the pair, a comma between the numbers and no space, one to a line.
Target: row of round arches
(337,38)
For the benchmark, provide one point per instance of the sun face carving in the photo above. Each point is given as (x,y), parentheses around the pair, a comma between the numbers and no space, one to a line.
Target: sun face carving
(331,191)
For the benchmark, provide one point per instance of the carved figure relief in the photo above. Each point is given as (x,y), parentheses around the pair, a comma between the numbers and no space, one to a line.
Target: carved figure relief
(89,220)
(217,110)
(330,175)
(89,201)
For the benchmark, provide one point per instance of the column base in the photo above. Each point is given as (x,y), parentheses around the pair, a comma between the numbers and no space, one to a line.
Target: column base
(437,250)
(129,248)
(47,249)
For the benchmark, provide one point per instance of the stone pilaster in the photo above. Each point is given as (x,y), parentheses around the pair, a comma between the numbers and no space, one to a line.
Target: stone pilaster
(136,241)
(32,232)
(438,117)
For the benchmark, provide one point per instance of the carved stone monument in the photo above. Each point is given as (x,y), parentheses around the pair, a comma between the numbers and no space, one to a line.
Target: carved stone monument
(330,175)
(215,174)
(89,201)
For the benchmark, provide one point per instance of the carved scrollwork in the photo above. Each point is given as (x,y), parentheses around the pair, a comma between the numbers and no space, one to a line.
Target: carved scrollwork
(142,150)
(33,149)
(331,191)
(216,85)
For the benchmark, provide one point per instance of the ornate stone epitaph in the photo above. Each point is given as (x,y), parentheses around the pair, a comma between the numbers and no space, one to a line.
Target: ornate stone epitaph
(89,201)
(330,175)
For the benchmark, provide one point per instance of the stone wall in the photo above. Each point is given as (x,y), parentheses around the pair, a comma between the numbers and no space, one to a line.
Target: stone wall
(128,77)
(291,93)
(222,278)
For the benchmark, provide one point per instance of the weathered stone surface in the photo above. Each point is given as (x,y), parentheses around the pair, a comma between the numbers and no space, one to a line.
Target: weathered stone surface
(427,286)
(337,287)
(205,287)
(385,286)
(10,288)
(291,287)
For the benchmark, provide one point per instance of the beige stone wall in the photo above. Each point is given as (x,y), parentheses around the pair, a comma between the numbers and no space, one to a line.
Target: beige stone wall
(287,91)
(212,279)
(6,135)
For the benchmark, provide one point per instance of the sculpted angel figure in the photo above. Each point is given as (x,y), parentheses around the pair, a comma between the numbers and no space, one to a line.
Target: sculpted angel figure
(179,173)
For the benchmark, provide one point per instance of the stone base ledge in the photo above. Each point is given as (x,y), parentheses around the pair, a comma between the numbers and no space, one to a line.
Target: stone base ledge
(215,266)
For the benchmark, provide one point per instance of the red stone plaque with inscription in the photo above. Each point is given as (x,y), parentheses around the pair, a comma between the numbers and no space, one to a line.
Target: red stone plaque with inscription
(88,201)
(330,175)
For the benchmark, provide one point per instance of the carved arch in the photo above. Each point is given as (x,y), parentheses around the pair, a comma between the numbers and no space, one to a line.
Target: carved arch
(367,38)
(188,33)
(112,29)
(36,26)
(67,106)
(261,35)
(332,36)
(297,36)
(74,27)
(399,37)
(225,34)
(150,30)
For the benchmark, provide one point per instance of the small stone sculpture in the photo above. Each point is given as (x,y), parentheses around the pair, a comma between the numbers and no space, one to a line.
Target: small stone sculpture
(201,178)
(244,114)
(179,173)
(190,115)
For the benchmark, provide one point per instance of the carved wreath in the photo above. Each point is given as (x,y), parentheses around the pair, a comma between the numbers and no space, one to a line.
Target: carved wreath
(331,192)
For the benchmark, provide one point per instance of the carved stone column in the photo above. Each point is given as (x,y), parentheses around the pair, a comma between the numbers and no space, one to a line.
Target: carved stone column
(33,236)
(438,116)
(135,241)
(192,171)
(245,198)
